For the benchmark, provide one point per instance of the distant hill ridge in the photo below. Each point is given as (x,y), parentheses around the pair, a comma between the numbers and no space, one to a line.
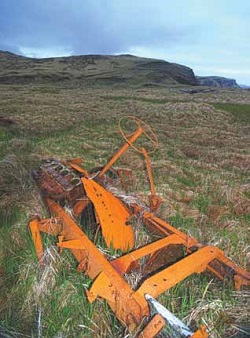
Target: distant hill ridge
(217,81)
(93,70)
(101,70)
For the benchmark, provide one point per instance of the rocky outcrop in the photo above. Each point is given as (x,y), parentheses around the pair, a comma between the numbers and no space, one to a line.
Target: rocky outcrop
(217,81)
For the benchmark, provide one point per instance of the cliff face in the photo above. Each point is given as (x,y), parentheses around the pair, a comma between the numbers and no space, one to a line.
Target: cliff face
(217,81)
(93,70)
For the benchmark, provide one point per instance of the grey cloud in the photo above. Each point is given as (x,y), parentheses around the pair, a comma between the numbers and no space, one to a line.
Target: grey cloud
(84,26)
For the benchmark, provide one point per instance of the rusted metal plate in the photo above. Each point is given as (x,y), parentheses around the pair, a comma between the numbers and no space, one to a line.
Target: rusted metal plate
(113,216)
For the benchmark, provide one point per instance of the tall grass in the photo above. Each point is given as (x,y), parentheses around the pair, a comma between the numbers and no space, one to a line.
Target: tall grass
(200,171)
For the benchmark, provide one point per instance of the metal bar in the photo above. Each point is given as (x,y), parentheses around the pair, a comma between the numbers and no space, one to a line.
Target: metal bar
(78,168)
(123,264)
(165,279)
(120,152)
(153,327)
(37,239)
(149,171)
(240,276)
(167,229)
(174,326)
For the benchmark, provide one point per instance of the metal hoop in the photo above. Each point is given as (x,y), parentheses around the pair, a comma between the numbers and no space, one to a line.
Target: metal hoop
(146,130)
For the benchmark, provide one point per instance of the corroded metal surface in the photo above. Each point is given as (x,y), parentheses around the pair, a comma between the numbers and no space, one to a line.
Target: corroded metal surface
(58,181)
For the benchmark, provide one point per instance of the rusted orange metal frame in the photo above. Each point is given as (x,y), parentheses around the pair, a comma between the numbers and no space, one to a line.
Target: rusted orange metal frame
(240,276)
(130,306)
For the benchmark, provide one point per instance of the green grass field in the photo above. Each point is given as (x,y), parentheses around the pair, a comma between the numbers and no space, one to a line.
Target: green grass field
(201,171)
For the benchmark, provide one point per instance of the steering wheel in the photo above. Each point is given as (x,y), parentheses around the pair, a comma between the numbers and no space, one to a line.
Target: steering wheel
(146,131)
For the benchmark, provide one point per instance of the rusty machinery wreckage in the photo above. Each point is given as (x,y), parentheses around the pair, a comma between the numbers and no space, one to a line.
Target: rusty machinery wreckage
(68,186)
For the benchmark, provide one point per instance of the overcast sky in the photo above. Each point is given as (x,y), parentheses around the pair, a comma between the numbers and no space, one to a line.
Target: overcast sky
(212,37)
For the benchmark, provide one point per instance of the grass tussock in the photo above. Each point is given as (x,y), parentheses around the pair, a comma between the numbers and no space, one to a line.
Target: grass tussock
(201,171)
(16,183)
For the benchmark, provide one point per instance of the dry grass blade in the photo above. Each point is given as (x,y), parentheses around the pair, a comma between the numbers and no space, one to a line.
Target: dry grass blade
(43,283)
(16,183)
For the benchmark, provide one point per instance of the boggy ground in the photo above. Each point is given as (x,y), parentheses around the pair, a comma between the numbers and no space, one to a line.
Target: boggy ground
(201,171)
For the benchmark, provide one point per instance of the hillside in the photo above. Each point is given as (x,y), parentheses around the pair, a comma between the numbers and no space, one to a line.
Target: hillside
(93,70)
